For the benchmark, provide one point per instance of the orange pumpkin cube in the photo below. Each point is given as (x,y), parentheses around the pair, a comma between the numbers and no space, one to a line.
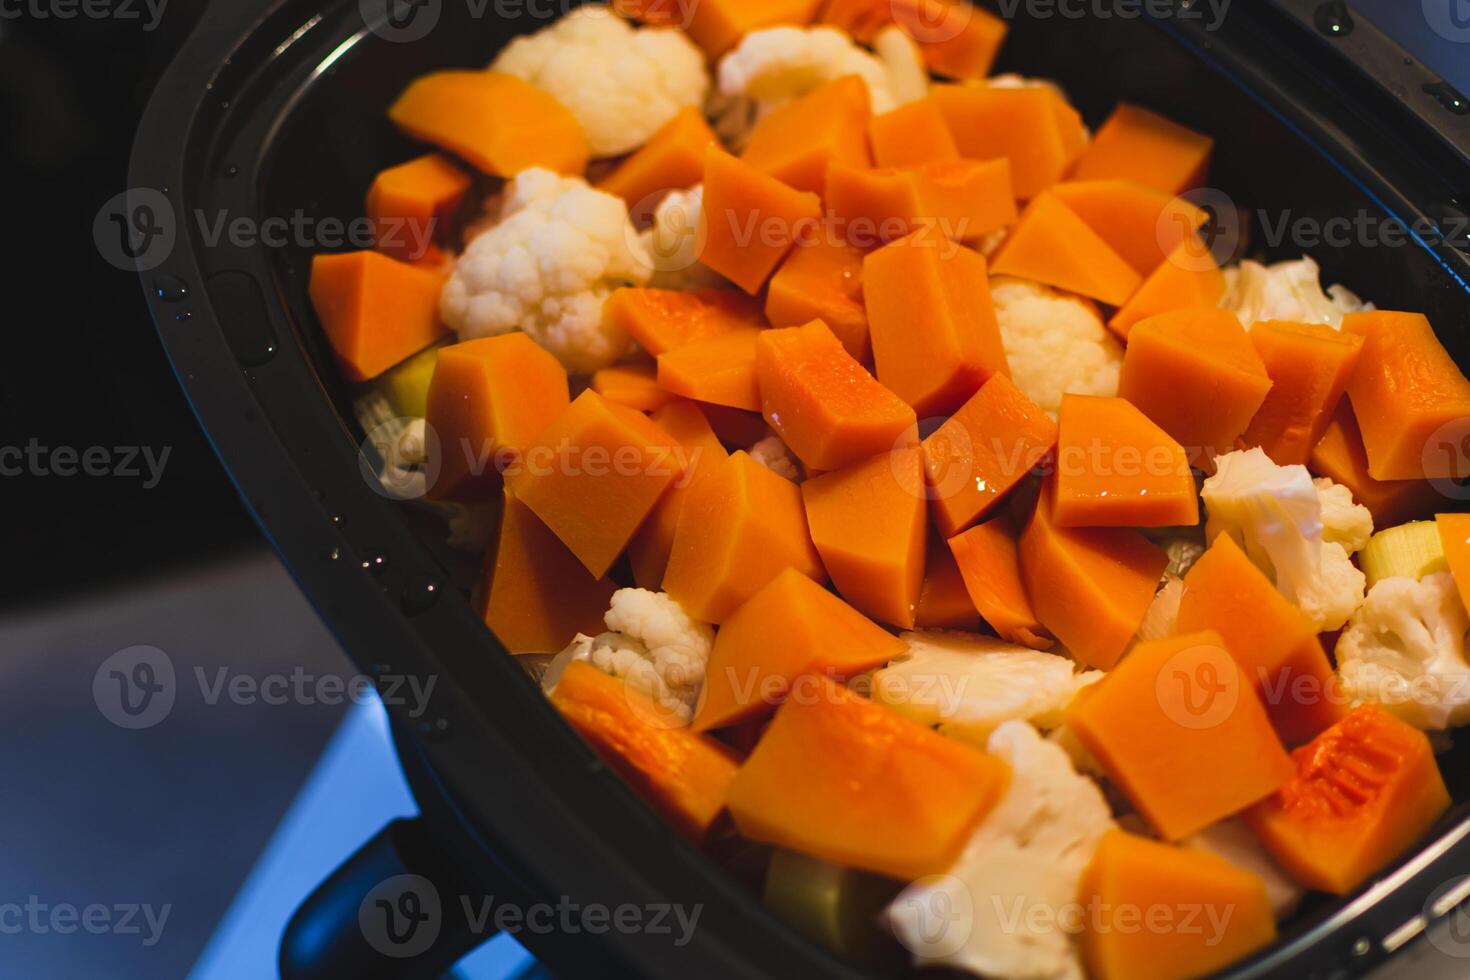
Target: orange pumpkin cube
(720,370)
(1115,468)
(1051,244)
(857,784)
(1454,538)
(412,203)
(1032,127)
(672,159)
(1309,365)
(1364,791)
(790,627)
(375,311)
(822,281)
(826,406)
(913,133)
(633,384)
(648,552)
(956,38)
(990,566)
(1141,224)
(796,141)
(982,451)
(1340,456)
(593,476)
(1144,147)
(739,527)
(1187,279)
(961,199)
(717,25)
(537,595)
(944,602)
(750,220)
(934,333)
(488,400)
(666,319)
(1177,725)
(1195,373)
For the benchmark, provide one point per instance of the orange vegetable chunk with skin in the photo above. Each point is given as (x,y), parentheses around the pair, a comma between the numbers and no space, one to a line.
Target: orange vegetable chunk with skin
(1032,127)
(1272,640)
(824,405)
(1187,279)
(1115,468)
(1454,538)
(498,122)
(792,626)
(594,474)
(672,159)
(857,784)
(1309,365)
(913,133)
(1089,586)
(662,320)
(1177,725)
(720,370)
(409,203)
(956,38)
(648,553)
(1051,244)
(982,451)
(685,775)
(822,281)
(739,527)
(1142,146)
(750,220)
(1340,456)
(538,595)
(375,311)
(1168,912)
(944,602)
(962,199)
(1141,224)
(488,400)
(717,25)
(1196,374)
(869,524)
(990,566)
(796,141)
(1410,398)
(933,327)
(1364,791)
(633,384)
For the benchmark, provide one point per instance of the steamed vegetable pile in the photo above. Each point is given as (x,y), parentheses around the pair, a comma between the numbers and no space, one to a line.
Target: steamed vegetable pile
(877,466)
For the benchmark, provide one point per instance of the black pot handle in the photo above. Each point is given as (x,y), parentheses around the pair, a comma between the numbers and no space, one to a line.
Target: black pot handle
(391,911)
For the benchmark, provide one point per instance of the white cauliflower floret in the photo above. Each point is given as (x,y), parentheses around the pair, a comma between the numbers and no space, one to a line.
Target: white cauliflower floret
(1405,650)
(1054,343)
(908,75)
(1286,291)
(621,83)
(1275,514)
(1344,521)
(1019,870)
(546,267)
(652,644)
(774,455)
(1232,840)
(1163,613)
(672,243)
(779,64)
(969,683)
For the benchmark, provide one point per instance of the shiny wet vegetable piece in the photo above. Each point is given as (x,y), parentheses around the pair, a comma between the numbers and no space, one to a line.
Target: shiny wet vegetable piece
(1454,537)
(990,567)
(1051,244)
(797,141)
(1340,455)
(1309,365)
(662,320)
(375,311)
(1188,278)
(720,370)
(1031,127)
(1141,224)
(1115,468)
(822,281)
(1143,146)
(750,220)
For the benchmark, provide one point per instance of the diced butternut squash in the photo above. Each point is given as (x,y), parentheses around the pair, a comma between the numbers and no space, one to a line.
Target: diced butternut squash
(488,401)
(672,159)
(594,474)
(1051,244)
(739,527)
(1309,365)
(1364,791)
(412,203)
(1168,912)
(1177,725)
(648,553)
(1138,145)
(720,370)
(685,775)
(1195,373)
(717,25)
(1408,394)
(913,133)
(1141,224)
(1115,468)
(632,384)
(497,122)
(961,199)
(944,601)
(796,141)
(737,429)
(990,566)
(1032,127)
(1454,538)
(790,627)
(1089,586)
(666,319)
(933,327)
(868,523)
(375,311)
(822,281)
(957,39)
(1340,456)
(826,406)
(983,450)
(857,784)
(537,594)
(1187,279)
(1272,640)
(750,220)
